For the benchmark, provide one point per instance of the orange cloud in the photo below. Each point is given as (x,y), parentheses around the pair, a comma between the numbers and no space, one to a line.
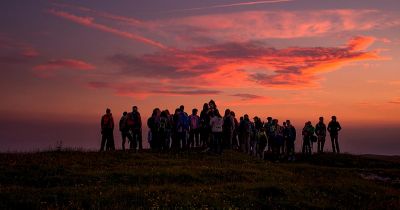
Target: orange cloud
(360,43)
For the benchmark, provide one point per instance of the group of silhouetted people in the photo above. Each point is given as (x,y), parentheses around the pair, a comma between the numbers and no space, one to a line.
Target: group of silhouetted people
(212,132)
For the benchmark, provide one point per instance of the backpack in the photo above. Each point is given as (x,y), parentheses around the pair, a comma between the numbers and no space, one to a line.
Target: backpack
(107,121)
(122,123)
(194,122)
(228,123)
(162,125)
(217,126)
(129,120)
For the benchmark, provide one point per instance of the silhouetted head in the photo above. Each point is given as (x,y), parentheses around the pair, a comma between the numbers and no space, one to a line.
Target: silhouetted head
(177,111)
(246,117)
(194,111)
(241,119)
(182,108)
(205,106)
(288,122)
(156,112)
(227,112)
(164,114)
(269,119)
(308,123)
(321,119)
(125,113)
(233,114)
(255,118)
(275,121)
(167,112)
(108,111)
(134,109)
(333,118)
(212,104)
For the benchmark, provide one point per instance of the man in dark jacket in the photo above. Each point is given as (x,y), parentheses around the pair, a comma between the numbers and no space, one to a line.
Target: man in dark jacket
(334,128)
(320,130)
(107,129)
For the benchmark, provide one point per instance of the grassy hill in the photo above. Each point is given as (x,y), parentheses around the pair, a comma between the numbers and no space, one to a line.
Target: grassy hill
(124,180)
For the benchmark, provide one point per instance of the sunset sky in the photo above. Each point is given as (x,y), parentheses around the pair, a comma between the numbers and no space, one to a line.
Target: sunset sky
(66,61)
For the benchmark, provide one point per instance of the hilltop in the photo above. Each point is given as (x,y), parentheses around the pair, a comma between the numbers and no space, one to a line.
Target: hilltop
(125,180)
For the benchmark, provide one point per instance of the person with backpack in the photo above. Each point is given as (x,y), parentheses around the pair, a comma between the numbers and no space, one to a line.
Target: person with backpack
(290,135)
(308,133)
(194,127)
(334,128)
(216,123)
(320,131)
(134,123)
(124,129)
(227,129)
(107,131)
(205,126)
(183,127)
(162,131)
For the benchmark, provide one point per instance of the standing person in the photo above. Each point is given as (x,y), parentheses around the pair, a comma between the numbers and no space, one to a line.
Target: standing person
(308,133)
(216,124)
(194,127)
(134,122)
(227,129)
(320,130)
(175,145)
(290,133)
(163,129)
(107,131)
(246,130)
(183,127)
(261,142)
(270,132)
(152,123)
(124,129)
(256,138)
(278,139)
(235,140)
(334,128)
(205,126)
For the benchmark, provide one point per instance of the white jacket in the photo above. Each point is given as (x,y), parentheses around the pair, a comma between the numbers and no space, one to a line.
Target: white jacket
(216,124)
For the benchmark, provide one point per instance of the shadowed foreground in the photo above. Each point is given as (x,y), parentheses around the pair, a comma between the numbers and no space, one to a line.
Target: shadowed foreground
(122,180)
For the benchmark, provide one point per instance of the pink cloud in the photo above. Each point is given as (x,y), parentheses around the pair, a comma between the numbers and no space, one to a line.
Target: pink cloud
(360,43)
(64,63)
(89,22)
(13,51)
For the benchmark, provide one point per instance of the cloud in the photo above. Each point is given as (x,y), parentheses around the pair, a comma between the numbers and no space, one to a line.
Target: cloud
(231,5)
(89,22)
(143,89)
(245,96)
(47,69)
(237,64)
(13,51)
(360,43)
(395,100)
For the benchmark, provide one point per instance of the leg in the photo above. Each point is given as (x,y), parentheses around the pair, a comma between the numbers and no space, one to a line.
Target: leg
(337,143)
(123,134)
(333,144)
(103,141)
(322,144)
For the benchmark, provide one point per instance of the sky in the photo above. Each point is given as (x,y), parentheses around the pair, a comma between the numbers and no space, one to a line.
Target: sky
(65,62)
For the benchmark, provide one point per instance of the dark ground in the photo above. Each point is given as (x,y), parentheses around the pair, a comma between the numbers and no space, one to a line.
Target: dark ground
(125,180)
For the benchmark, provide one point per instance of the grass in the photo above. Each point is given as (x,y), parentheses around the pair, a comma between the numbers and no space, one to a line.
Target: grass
(124,180)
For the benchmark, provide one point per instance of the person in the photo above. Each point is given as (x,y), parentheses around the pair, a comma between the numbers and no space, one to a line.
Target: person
(227,130)
(334,128)
(290,134)
(270,132)
(107,129)
(163,128)
(205,126)
(183,127)
(235,140)
(262,140)
(124,129)
(134,122)
(194,127)
(175,145)
(216,123)
(254,142)
(320,131)
(308,132)
(277,139)
(152,124)
(246,129)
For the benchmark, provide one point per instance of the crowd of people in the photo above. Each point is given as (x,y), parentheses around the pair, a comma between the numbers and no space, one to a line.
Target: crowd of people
(212,132)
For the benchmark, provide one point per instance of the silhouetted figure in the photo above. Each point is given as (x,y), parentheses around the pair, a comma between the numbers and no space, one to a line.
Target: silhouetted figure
(320,131)
(153,123)
(270,132)
(258,125)
(216,124)
(277,139)
(227,129)
(290,134)
(262,140)
(205,128)
(235,137)
(194,129)
(246,128)
(107,129)
(134,122)
(124,129)
(308,132)
(183,127)
(163,130)
(334,128)
(175,145)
